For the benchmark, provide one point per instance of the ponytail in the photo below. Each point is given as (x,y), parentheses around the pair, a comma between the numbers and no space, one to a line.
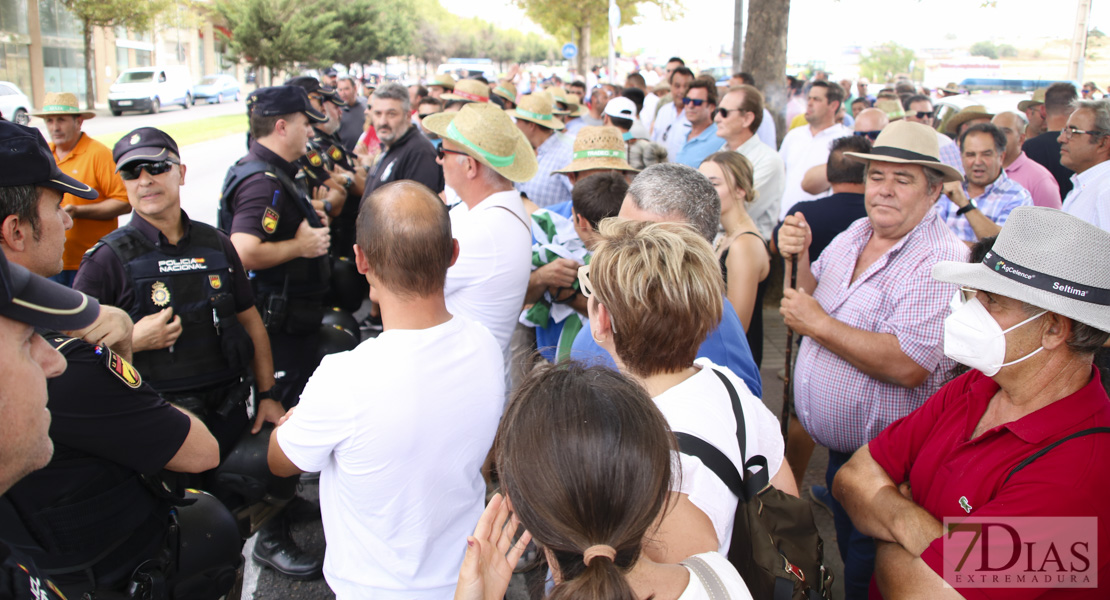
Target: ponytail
(600,578)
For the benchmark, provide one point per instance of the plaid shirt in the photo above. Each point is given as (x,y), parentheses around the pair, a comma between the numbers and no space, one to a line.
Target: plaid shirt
(950,152)
(839,405)
(996,202)
(546,189)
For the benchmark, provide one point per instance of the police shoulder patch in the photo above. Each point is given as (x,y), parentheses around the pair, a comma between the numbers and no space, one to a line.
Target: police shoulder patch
(269,220)
(119,367)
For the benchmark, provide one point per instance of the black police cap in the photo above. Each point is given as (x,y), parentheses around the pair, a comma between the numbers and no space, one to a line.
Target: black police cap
(312,86)
(28,160)
(282,100)
(145,144)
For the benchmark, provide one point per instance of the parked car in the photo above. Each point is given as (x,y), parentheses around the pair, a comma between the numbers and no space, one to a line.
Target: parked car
(14,104)
(148,89)
(994,102)
(215,88)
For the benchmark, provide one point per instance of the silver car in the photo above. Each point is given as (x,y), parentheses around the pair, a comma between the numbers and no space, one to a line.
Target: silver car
(14,104)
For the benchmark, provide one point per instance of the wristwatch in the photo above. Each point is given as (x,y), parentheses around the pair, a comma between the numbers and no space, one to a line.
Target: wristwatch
(347,184)
(267,395)
(970,206)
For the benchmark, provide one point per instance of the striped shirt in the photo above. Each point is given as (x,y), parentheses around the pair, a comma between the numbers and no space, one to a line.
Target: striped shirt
(996,202)
(839,405)
(545,188)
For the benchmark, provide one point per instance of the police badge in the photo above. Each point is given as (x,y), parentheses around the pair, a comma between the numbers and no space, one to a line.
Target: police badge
(159,294)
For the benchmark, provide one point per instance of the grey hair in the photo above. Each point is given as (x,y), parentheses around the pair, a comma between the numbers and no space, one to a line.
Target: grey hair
(671,189)
(934,178)
(1101,110)
(394,91)
(1084,339)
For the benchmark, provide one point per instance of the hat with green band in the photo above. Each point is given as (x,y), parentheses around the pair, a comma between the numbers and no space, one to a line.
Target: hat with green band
(62,104)
(598,148)
(506,90)
(487,133)
(536,108)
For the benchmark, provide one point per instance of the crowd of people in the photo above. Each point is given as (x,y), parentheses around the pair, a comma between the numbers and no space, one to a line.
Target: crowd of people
(554,283)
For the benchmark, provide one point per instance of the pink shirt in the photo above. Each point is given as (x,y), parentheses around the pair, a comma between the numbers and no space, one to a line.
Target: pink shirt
(1037,179)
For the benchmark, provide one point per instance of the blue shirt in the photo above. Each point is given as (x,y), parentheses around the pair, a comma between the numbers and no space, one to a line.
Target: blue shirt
(698,149)
(726,346)
(996,202)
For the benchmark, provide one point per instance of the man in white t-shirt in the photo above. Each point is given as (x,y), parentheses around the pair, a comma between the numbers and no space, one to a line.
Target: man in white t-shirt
(399,427)
(483,153)
(671,127)
(808,146)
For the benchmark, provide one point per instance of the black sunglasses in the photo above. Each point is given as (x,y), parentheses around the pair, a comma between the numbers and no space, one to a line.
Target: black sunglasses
(442,153)
(425,115)
(694,101)
(923,114)
(872,135)
(725,112)
(134,171)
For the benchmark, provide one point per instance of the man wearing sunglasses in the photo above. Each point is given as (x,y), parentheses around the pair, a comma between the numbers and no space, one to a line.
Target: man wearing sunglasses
(1085,149)
(739,120)
(919,109)
(702,140)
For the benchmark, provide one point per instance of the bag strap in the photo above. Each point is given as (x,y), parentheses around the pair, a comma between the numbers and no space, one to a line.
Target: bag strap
(1046,449)
(709,579)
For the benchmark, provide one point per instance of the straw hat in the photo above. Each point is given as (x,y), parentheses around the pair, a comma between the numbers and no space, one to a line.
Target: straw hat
(506,90)
(1045,257)
(892,109)
(1038,99)
(906,142)
(598,148)
(62,104)
(536,108)
(471,90)
(975,111)
(951,88)
(444,81)
(488,134)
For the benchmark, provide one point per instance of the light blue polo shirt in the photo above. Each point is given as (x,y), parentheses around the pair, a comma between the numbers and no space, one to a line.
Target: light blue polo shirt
(698,149)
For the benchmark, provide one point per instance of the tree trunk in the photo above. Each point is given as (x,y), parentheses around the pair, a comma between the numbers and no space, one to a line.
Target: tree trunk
(90,67)
(737,36)
(583,51)
(765,54)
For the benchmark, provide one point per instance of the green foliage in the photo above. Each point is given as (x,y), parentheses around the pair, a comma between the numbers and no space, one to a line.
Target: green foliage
(279,33)
(137,16)
(440,35)
(370,30)
(987,49)
(565,19)
(883,62)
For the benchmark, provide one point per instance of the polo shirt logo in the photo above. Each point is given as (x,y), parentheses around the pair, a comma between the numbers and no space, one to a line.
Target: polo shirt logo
(964,504)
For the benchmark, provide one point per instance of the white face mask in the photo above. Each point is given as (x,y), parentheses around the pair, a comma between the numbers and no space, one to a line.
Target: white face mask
(972,337)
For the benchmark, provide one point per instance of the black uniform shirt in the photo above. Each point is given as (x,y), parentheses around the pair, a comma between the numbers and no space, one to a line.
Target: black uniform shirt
(261,207)
(20,580)
(412,157)
(103,276)
(1045,149)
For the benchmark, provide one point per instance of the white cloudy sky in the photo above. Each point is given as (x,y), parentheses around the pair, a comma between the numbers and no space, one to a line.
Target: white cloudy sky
(818,25)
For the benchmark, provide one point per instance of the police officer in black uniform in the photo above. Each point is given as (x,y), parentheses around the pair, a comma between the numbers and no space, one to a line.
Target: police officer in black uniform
(283,241)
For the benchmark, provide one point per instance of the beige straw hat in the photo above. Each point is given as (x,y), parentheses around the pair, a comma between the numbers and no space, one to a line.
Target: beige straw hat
(598,148)
(1047,258)
(536,108)
(909,143)
(61,104)
(892,109)
(468,89)
(444,81)
(573,108)
(1038,99)
(488,134)
(975,111)
(506,90)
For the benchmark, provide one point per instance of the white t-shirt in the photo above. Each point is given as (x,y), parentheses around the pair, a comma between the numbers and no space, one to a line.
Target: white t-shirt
(488,281)
(701,406)
(726,574)
(399,428)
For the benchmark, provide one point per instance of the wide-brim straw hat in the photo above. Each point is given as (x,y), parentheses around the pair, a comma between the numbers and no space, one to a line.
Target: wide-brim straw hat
(1038,99)
(536,108)
(951,88)
(57,104)
(506,90)
(892,109)
(598,147)
(471,90)
(906,142)
(975,111)
(1047,258)
(488,134)
(444,81)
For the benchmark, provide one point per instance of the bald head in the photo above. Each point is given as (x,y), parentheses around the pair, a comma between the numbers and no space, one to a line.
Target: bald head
(404,232)
(1013,126)
(871,119)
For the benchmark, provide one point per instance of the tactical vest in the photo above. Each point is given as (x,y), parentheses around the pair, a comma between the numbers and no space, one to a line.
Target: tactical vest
(192,282)
(300,277)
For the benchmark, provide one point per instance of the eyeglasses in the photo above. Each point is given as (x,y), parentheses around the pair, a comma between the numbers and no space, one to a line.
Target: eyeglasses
(587,289)
(134,171)
(693,101)
(725,112)
(425,115)
(442,153)
(965,294)
(871,135)
(1069,131)
(924,114)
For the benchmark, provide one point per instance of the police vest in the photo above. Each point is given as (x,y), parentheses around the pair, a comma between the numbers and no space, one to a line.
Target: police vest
(300,277)
(191,282)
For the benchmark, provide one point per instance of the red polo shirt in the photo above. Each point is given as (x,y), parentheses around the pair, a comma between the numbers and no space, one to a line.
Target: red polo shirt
(932,449)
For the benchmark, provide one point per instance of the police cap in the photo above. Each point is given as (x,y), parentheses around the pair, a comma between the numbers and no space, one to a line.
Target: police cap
(28,160)
(312,86)
(282,100)
(145,144)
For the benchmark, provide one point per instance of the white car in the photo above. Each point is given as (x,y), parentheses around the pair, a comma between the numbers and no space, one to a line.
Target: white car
(14,104)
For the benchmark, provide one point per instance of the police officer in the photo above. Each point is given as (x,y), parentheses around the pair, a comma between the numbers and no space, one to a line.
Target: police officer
(283,240)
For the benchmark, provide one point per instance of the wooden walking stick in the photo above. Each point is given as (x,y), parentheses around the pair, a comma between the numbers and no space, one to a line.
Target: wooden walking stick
(787,397)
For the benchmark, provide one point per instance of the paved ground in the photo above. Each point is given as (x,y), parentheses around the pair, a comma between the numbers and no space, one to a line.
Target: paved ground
(264,584)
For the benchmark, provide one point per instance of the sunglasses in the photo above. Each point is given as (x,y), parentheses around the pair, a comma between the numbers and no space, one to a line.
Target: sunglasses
(587,289)
(424,116)
(871,135)
(693,101)
(442,153)
(924,114)
(134,171)
(725,112)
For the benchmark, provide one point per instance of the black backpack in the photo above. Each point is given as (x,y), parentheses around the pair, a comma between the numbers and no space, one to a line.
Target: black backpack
(775,544)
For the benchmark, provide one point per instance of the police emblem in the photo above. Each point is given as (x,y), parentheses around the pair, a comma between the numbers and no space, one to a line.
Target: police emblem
(159,294)
(314,158)
(135,139)
(335,153)
(121,368)
(214,281)
(269,220)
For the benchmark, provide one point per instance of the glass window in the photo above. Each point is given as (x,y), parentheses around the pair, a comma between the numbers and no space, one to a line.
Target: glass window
(15,65)
(13,16)
(136,77)
(142,58)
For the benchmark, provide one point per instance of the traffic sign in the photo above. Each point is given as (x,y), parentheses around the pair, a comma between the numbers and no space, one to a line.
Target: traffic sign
(570,50)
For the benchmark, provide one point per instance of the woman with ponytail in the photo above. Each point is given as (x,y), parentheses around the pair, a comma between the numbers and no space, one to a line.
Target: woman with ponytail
(584,459)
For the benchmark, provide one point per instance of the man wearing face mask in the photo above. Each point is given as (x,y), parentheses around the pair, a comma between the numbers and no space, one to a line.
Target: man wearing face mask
(1012,437)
